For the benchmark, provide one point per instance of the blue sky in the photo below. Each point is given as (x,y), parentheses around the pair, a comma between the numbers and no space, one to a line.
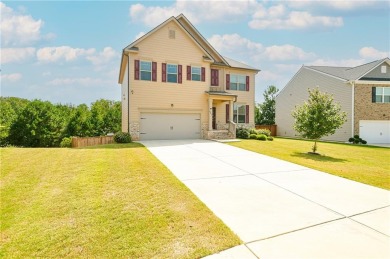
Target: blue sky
(69,51)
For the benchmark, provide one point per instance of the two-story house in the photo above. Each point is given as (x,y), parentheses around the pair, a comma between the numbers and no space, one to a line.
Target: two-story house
(175,85)
(362,91)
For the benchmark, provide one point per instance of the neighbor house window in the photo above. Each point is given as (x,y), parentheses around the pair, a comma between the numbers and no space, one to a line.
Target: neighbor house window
(146,70)
(381,94)
(171,73)
(237,82)
(195,73)
(240,113)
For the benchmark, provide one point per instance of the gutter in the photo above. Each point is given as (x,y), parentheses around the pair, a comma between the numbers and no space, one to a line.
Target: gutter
(352,82)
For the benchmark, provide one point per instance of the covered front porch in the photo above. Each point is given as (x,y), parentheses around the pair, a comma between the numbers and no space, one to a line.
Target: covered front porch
(220,112)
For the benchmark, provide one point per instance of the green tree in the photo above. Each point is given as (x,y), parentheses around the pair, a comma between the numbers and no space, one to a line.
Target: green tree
(80,124)
(38,125)
(265,112)
(106,117)
(318,117)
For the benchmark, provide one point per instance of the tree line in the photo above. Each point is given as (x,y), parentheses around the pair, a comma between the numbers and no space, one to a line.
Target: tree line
(39,123)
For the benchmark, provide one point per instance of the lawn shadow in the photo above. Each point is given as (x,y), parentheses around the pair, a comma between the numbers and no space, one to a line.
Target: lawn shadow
(320,157)
(114,146)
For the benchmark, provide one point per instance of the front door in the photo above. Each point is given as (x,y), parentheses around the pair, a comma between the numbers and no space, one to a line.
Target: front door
(214,118)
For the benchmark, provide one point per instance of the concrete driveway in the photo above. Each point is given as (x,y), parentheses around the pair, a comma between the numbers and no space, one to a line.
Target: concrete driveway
(280,209)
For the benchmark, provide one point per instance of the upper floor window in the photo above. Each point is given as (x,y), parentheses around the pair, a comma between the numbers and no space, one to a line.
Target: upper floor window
(146,70)
(381,94)
(237,82)
(195,73)
(171,73)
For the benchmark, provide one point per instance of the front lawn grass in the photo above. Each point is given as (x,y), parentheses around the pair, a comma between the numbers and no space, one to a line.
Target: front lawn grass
(365,164)
(112,201)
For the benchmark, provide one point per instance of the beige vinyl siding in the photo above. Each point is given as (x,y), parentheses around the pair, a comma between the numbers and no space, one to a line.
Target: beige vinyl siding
(124,93)
(296,92)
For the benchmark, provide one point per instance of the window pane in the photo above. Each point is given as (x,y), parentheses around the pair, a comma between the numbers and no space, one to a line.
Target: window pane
(386,99)
(195,70)
(233,78)
(172,78)
(195,77)
(235,118)
(146,65)
(172,69)
(242,87)
(233,86)
(386,90)
(241,118)
(241,109)
(242,79)
(145,75)
(378,98)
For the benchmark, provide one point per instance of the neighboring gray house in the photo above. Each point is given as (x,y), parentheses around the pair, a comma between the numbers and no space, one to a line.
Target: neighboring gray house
(362,91)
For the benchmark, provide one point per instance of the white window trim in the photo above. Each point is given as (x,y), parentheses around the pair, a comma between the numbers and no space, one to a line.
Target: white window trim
(235,108)
(177,72)
(140,70)
(381,94)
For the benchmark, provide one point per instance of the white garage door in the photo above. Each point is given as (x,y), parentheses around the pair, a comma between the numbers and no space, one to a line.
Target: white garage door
(169,126)
(375,131)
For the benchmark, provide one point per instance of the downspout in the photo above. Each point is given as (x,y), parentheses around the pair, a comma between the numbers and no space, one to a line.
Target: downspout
(353,108)
(128,93)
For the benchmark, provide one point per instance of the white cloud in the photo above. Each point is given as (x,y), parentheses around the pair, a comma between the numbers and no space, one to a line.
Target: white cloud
(53,54)
(11,77)
(278,19)
(84,81)
(372,53)
(340,5)
(234,42)
(103,57)
(139,35)
(18,29)
(195,11)
(287,52)
(337,62)
(11,55)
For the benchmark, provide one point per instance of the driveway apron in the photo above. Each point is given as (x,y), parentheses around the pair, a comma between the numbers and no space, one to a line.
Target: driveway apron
(277,208)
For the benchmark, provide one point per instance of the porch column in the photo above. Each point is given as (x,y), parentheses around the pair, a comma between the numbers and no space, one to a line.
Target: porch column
(231,110)
(210,113)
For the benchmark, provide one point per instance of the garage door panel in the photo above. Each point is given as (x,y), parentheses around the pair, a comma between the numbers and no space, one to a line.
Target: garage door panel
(375,132)
(169,126)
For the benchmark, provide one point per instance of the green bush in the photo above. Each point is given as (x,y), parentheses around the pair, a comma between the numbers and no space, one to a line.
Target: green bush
(242,133)
(270,138)
(253,131)
(122,137)
(252,136)
(266,132)
(357,140)
(261,137)
(363,142)
(66,142)
(351,140)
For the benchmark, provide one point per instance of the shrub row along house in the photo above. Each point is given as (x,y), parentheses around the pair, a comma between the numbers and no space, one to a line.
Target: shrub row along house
(362,91)
(175,85)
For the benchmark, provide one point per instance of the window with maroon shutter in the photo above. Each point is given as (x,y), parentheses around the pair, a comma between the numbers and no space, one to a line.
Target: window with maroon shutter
(179,74)
(188,73)
(227,81)
(154,71)
(247,114)
(164,72)
(203,74)
(136,69)
(227,112)
(214,77)
(247,83)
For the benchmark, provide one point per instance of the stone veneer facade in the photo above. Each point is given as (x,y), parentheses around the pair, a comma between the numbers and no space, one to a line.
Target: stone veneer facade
(365,109)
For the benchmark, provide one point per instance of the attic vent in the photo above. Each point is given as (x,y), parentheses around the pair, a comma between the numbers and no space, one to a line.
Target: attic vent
(171,34)
(383,69)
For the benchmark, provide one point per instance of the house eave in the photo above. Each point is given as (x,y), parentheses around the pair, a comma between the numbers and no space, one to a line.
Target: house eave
(370,82)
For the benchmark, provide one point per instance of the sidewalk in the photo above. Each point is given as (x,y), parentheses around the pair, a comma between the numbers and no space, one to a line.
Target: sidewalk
(280,209)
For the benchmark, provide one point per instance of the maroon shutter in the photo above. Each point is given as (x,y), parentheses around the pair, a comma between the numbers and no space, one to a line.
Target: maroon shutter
(216,77)
(179,74)
(188,73)
(136,69)
(247,83)
(227,81)
(164,72)
(212,77)
(203,76)
(247,114)
(154,71)
(227,112)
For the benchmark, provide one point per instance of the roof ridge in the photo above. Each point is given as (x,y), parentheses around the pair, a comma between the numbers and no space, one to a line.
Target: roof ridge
(367,63)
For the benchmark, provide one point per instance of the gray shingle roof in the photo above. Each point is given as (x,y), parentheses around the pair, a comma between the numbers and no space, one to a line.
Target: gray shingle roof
(234,63)
(349,73)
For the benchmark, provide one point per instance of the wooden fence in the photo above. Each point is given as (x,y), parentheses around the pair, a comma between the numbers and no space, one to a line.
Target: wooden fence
(92,141)
(272,128)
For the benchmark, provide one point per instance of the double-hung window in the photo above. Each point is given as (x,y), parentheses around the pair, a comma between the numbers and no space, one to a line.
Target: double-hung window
(381,94)
(239,113)
(146,70)
(195,73)
(238,82)
(171,73)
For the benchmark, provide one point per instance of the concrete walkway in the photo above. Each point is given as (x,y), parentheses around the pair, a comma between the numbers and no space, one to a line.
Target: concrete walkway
(280,209)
